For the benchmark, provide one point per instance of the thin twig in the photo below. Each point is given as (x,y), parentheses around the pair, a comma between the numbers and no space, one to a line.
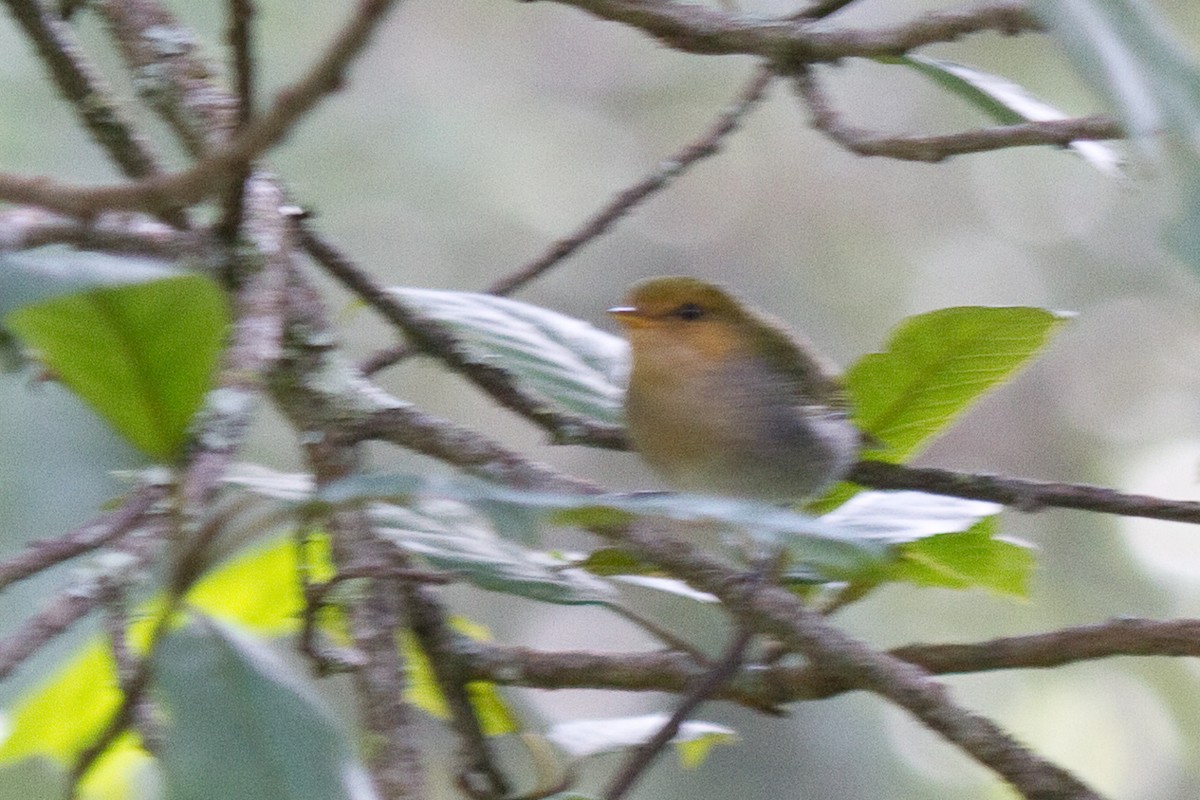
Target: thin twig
(668,170)
(217,169)
(479,775)
(1022,494)
(788,42)
(116,626)
(97,533)
(241,18)
(641,759)
(776,611)
(83,87)
(121,233)
(937,148)
(661,633)
(432,338)
(91,97)
(822,9)
(187,565)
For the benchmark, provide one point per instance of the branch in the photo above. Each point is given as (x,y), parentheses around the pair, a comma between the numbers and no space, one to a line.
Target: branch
(214,172)
(641,758)
(479,775)
(937,148)
(175,81)
(430,337)
(255,343)
(758,686)
(1022,494)
(403,425)
(79,83)
(69,606)
(120,233)
(40,555)
(375,615)
(774,610)
(788,42)
(240,38)
(670,168)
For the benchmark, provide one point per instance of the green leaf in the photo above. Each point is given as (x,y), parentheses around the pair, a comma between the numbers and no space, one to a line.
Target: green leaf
(939,541)
(1126,50)
(1007,103)
(60,717)
(244,724)
(495,717)
(142,356)
(935,366)
(590,737)
(974,558)
(33,276)
(560,358)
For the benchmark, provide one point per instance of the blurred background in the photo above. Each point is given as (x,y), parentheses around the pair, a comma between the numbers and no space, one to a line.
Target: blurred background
(473,134)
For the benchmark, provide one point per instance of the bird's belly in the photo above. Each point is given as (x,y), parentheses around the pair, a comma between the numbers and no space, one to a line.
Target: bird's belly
(775,452)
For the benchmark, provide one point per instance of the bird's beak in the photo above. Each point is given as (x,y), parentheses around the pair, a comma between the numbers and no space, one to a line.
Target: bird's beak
(628,316)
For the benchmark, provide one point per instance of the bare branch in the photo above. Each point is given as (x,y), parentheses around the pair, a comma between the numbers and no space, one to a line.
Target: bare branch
(1022,494)
(934,149)
(120,233)
(174,80)
(70,605)
(430,337)
(670,169)
(480,774)
(788,42)
(241,17)
(104,529)
(774,610)
(215,171)
(83,87)
(717,676)
(375,616)
(405,426)
(759,685)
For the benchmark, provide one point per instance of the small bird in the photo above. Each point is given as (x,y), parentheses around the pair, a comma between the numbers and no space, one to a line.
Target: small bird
(724,400)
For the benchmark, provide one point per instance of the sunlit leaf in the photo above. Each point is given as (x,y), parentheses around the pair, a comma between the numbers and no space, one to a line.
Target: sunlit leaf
(938,541)
(422,690)
(60,717)
(560,358)
(243,724)
(141,355)
(1007,103)
(974,558)
(936,365)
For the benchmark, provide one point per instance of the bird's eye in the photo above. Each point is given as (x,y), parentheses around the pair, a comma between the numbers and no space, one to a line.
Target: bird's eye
(689,312)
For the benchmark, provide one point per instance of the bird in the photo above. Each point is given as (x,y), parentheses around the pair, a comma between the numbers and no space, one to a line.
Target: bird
(724,399)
